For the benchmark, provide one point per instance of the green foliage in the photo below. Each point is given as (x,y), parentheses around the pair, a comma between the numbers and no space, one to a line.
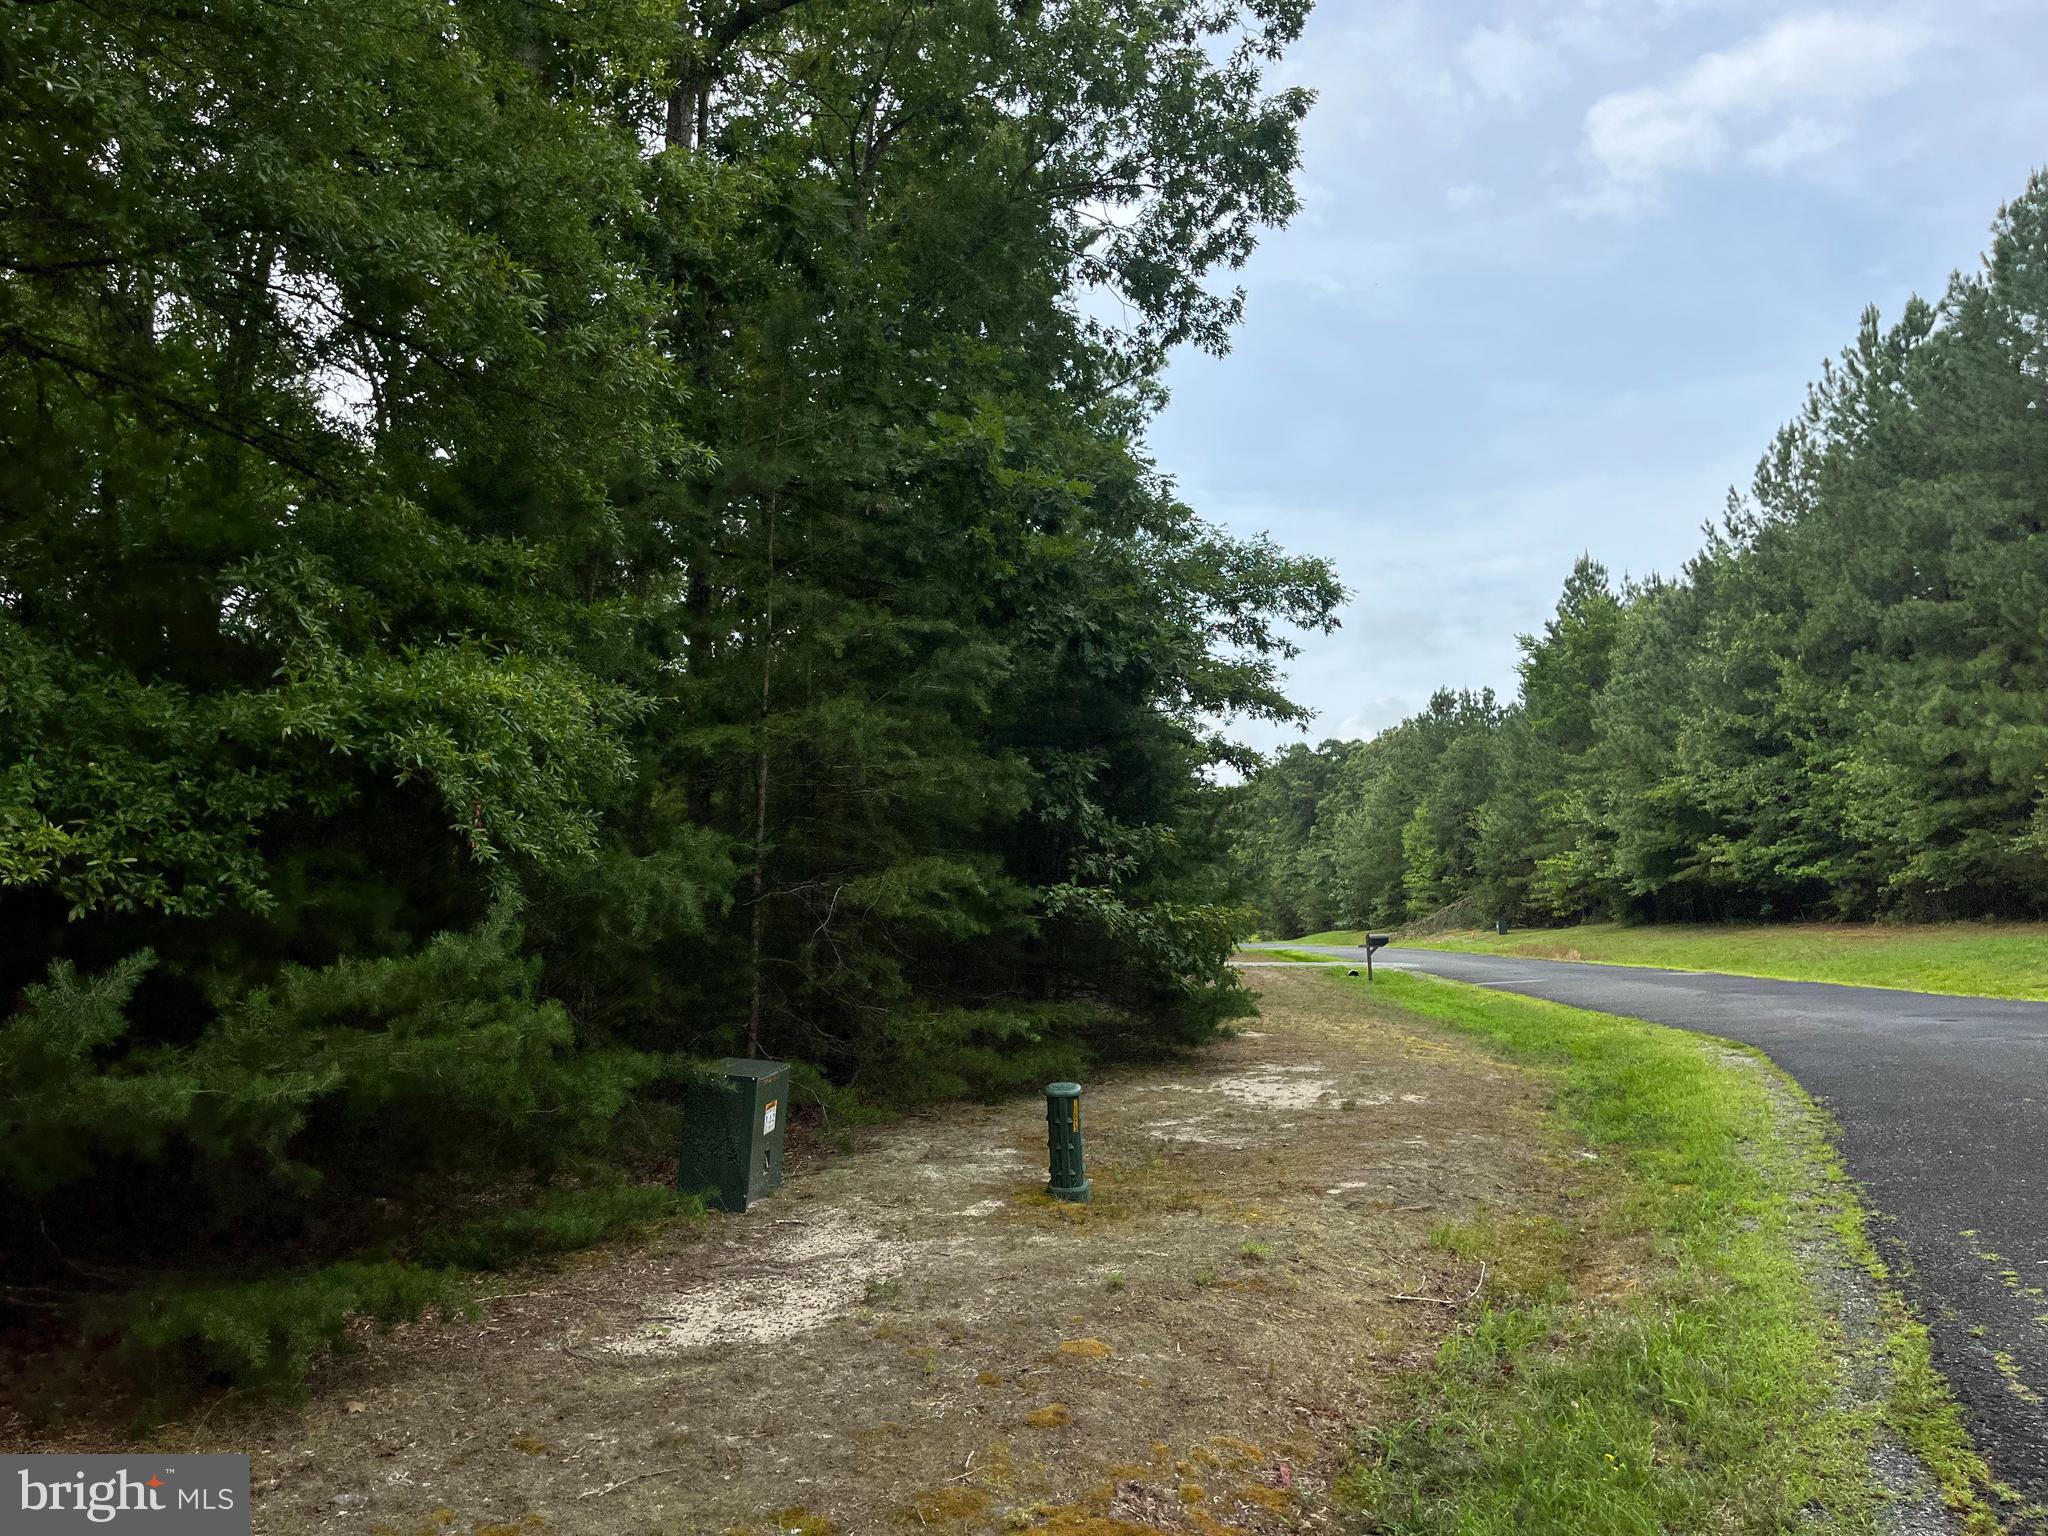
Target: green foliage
(1839,708)
(277,306)
(987,1053)
(407,1068)
(1365,833)
(561,1221)
(268,1333)
(536,554)
(58,1109)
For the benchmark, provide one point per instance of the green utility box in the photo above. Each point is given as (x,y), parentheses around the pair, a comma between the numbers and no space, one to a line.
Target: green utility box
(732,1133)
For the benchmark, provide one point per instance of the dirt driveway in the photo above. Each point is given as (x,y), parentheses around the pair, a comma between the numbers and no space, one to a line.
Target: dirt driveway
(912,1337)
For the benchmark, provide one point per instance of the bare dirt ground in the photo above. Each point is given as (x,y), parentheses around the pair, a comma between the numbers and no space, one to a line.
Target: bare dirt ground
(913,1337)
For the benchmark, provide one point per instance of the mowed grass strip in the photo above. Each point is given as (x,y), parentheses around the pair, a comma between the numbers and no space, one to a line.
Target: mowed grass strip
(1964,959)
(1670,1365)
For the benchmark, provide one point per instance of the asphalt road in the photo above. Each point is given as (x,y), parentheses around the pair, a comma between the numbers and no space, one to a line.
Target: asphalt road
(1943,1108)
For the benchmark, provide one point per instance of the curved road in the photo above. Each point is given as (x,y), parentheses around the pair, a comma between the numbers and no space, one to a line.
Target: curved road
(1943,1108)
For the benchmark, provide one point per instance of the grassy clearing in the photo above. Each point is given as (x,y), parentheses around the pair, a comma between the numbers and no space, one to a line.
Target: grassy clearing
(1707,1391)
(1967,959)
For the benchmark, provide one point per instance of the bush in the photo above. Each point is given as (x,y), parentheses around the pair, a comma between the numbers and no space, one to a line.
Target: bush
(267,1333)
(559,1222)
(983,1053)
(315,1097)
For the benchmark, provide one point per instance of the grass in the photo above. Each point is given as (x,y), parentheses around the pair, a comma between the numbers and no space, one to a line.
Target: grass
(1301,956)
(1965,959)
(1705,1392)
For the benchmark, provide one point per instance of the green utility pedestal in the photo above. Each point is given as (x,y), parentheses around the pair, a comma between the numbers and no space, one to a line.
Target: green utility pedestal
(732,1133)
(1063,1142)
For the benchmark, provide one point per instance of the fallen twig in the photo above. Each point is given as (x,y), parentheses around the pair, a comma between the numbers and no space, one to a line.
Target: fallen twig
(627,1482)
(1447,1301)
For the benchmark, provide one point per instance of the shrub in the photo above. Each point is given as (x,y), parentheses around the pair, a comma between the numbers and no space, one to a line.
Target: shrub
(982,1053)
(267,1333)
(320,1094)
(559,1222)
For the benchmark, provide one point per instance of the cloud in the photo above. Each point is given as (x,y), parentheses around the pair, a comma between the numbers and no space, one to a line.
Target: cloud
(1342,266)
(1508,66)
(1594,30)
(1803,138)
(1370,718)
(1781,96)
(1376,75)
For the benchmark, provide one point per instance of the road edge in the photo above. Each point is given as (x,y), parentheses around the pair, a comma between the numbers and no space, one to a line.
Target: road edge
(1921,1462)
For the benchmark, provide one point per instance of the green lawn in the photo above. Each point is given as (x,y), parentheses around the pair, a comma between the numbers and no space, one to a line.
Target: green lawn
(1971,959)
(1703,1389)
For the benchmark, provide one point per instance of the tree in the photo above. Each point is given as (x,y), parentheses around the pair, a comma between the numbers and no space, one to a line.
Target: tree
(1836,708)
(543,545)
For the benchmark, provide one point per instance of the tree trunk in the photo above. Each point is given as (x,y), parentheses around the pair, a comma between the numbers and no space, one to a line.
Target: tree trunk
(761,798)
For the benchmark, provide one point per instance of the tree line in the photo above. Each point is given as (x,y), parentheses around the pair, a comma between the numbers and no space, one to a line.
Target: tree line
(545,543)
(1839,707)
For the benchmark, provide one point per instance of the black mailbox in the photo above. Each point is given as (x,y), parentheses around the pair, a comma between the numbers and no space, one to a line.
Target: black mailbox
(1376,941)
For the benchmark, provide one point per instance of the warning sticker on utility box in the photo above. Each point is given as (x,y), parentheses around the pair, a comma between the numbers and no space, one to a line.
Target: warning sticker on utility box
(768,1119)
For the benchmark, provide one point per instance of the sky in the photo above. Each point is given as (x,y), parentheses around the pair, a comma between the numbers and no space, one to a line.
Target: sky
(1562,269)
